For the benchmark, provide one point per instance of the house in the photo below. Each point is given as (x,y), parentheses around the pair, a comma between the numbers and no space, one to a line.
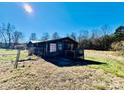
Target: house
(59,47)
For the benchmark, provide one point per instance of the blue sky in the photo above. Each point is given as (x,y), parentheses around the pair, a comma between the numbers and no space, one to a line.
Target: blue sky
(63,17)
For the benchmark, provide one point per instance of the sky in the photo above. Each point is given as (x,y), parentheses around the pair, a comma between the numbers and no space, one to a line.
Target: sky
(63,18)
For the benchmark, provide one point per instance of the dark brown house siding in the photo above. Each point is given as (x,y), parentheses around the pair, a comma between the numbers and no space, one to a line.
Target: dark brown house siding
(59,47)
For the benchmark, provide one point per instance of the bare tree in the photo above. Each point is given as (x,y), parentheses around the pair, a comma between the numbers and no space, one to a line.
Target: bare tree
(82,38)
(45,36)
(105,31)
(83,34)
(73,36)
(17,36)
(93,39)
(55,35)
(3,35)
(9,33)
(1,39)
(33,36)
(94,33)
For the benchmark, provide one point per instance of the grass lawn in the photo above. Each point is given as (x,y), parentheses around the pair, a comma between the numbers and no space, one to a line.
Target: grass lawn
(39,74)
(10,55)
(113,64)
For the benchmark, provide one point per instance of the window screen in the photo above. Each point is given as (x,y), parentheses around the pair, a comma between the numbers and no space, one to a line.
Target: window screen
(52,47)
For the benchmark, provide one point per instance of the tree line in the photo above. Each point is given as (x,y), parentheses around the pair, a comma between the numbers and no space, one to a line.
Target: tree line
(98,38)
(9,35)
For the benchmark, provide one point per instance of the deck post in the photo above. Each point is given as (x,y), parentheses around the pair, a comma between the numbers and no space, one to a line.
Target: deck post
(83,53)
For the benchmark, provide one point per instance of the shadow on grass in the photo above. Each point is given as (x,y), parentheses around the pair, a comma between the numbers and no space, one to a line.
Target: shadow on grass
(66,62)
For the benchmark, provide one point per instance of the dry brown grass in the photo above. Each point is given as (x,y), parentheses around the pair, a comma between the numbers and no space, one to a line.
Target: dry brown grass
(39,74)
(43,75)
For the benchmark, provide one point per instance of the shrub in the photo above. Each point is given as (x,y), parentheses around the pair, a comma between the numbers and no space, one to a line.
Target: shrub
(118,46)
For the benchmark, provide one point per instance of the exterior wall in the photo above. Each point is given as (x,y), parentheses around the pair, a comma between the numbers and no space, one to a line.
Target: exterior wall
(64,48)
(43,49)
(58,52)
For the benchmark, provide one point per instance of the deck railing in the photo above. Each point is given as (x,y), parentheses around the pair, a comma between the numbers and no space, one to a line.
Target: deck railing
(74,53)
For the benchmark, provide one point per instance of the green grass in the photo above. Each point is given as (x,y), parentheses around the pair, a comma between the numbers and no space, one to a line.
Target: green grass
(7,51)
(112,64)
(6,55)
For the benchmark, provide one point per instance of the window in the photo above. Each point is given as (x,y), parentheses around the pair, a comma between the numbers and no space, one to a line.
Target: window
(60,46)
(52,47)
